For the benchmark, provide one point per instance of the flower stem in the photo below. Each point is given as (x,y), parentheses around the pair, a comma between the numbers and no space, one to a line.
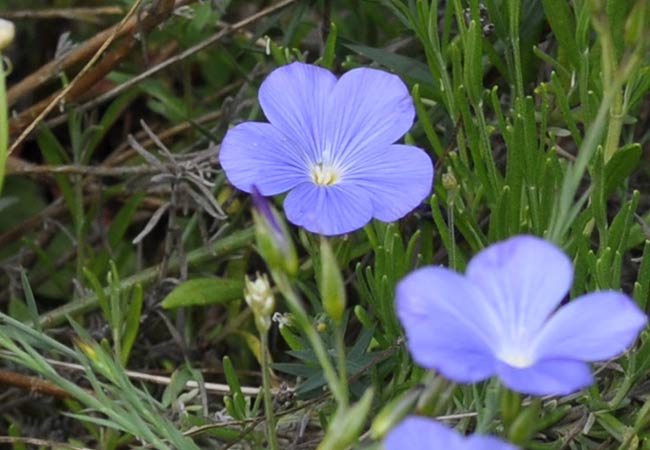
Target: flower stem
(339,336)
(452,234)
(300,315)
(271,436)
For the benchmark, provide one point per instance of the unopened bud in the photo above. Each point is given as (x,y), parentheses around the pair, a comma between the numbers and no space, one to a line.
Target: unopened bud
(7,33)
(259,297)
(273,241)
(449,181)
(332,287)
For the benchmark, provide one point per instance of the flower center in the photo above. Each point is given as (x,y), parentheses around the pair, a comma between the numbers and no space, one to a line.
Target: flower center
(325,174)
(517,358)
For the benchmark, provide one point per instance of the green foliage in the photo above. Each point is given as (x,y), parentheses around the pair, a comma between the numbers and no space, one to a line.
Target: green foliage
(535,114)
(203,291)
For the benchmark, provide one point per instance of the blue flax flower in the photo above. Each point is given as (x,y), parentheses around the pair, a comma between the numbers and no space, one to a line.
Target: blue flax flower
(499,319)
(420,433)
(330,143)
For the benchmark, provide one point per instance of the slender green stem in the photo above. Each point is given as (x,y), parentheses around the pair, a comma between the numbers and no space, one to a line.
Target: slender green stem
(271,436)
(300,315)
(514,13)
(339,336)
(452,234)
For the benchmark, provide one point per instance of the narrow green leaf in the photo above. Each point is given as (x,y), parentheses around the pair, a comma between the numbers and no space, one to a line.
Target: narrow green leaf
(122,220)
(561,18)
(473,68)
(617,12)
(30,300)
(113,114)
(598,197)
(54,154)
(624,161)
(99,291)
(327,60)
(425,122)
(132,325)
(204,291)
(642,285)
(620,228)
(231,375)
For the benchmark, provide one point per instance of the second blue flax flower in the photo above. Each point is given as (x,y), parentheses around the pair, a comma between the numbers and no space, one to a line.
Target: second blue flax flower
(501,319)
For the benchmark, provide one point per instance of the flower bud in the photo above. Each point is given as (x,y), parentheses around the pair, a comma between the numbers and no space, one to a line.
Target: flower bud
(259,297)
(273,241)
(332,288)
(449,181)
(7,33)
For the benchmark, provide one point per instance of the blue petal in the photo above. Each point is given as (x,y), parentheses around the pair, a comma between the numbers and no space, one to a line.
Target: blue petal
(524,278)
(294,99)
(548,377)
(447,325)
(420,433)
(328,210)
(254,153)
(594,327)
(398,178)
(368,108)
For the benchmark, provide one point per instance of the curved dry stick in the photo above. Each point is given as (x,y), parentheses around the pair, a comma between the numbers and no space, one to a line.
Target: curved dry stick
(55,101)
(225,31)
(32,384)
(88,13)
(51,69)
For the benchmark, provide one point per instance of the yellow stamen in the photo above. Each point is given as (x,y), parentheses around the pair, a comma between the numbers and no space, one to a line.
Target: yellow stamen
(324,174)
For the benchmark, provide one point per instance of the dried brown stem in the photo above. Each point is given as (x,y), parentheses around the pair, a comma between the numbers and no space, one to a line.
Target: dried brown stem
(12,440)
(78,55)
(20,167)
(31,383)
(225,31)
(84,14)
(81,53)
(89,75)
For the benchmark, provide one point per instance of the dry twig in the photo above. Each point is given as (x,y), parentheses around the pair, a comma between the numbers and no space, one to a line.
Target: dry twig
(81,53)
(88,14)
(51,104)
(225,31)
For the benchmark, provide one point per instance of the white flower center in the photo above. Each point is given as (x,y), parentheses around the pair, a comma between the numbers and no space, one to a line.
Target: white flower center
(517,358)
(325,174)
